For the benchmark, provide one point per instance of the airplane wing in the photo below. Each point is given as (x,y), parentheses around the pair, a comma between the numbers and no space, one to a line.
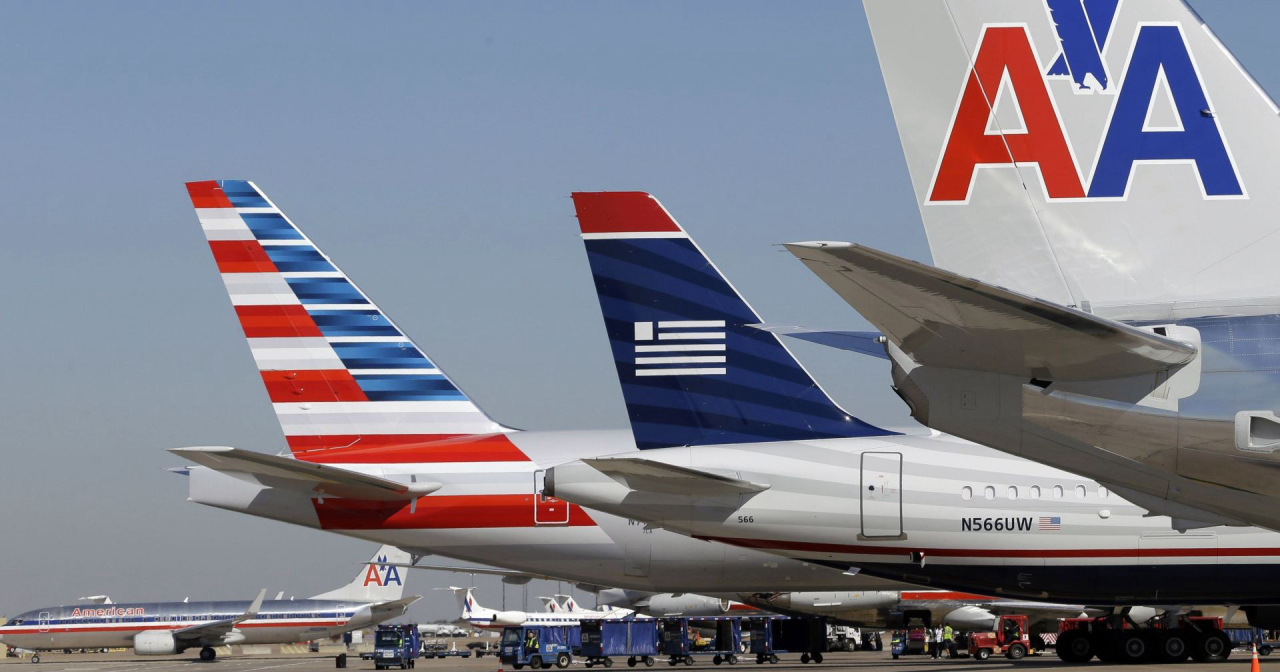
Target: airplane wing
(651,476)
(214,632)
(947,320)
(865,342)
(319,479)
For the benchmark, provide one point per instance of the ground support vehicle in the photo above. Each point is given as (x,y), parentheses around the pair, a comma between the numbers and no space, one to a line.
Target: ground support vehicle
(636,639)
(771,635)
(1012,639)
(539,646)
(1246,638)
(395,646)
(843,638)
(1168,638)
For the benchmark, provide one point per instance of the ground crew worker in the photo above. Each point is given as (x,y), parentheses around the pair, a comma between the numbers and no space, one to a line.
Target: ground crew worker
(949,638)
(936,648)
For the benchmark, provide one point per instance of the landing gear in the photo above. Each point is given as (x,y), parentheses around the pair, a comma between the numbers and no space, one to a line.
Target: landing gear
(817,657)
(1211,646)
(35,658)
(207,654)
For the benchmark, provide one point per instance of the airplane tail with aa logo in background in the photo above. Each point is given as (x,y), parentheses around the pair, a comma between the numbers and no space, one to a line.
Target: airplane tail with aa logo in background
(379,580)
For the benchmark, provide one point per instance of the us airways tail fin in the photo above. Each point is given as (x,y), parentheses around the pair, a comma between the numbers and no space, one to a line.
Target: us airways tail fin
(342,377)
(377,581)
(1087,152)
(693,370)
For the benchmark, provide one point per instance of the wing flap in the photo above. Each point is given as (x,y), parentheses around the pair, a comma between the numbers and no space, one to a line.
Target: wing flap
(946,320)
(310,477)
(659,477)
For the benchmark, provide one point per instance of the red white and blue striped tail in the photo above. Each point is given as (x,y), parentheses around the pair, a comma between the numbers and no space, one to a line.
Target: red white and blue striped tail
(343,378)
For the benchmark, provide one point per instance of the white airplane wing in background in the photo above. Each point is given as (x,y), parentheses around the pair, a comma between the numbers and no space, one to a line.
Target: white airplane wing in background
(943,319)
(508,575)
(317,479)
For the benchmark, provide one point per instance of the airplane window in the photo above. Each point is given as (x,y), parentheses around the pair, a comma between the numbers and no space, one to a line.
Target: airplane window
(966,493)
(1057,492)
(989,492)
(1035,492)
(1102,492)
(1079,492)
(1013,492)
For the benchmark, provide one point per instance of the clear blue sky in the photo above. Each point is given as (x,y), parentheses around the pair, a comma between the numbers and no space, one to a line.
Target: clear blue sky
(429,148)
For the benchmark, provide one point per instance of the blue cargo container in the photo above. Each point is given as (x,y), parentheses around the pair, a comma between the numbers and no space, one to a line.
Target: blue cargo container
(538,646)
(637,639)
(683,637)
(771,635)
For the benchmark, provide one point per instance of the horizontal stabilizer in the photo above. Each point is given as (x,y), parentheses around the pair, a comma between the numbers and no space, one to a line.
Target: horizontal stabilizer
(394,607)
(865,342)
(651,476)
(317,479)
(946,320)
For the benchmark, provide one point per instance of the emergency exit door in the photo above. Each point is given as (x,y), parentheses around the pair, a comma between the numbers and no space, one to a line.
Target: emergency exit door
(547,510)
(881,509)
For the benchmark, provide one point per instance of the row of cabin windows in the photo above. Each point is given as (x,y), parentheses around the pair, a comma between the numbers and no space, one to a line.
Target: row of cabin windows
(1033,492)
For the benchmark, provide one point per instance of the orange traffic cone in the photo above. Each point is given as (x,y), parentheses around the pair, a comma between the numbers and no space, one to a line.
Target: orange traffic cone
(1256,667)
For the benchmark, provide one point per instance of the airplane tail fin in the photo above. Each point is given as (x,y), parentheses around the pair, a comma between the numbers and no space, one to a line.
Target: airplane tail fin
(550,605)
(693,370)
(569,604)
(1090,153)
(342,377)
(467,604)
(377,581)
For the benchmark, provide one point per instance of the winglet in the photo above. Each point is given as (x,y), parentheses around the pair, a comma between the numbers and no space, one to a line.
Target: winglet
(252,611)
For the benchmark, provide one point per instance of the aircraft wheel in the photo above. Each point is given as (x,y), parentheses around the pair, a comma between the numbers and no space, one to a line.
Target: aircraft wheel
(608,662)
(1172,647)
(207,653)
(1211,647)
(1075,647)
(817,657)
(804,659)
(562,661)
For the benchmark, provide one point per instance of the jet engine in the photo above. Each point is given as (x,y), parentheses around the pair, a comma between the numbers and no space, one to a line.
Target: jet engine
(155,643)
(970,618)
(686,604)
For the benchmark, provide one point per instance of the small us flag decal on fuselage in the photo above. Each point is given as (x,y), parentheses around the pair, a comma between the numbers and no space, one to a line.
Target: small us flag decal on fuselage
(1053,523)
(680,348)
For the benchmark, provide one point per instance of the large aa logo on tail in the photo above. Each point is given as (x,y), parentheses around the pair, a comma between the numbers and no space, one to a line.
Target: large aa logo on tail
(381,574)
(1006,114)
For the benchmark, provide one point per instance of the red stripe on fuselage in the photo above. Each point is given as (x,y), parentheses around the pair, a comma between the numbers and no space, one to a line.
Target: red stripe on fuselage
(241,256)
(941,595)
(276,321)
(438,512)
(814,547)
(405,448)
(207,194)
(300,386)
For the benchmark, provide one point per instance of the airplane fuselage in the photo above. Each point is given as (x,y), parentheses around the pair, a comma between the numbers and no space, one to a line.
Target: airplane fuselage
(942,512)
(96,626)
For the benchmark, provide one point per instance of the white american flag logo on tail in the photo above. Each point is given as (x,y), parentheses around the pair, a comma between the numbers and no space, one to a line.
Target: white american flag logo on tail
(1050,523)
(667,348)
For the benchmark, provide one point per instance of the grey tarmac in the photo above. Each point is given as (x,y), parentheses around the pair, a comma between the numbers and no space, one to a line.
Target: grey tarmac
(835,662)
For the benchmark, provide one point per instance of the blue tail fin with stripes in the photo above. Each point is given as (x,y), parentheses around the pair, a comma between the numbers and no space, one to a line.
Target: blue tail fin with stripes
(693,371)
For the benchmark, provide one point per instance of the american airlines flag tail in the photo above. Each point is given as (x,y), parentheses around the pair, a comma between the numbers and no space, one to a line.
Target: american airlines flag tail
(693,370)
(341,375)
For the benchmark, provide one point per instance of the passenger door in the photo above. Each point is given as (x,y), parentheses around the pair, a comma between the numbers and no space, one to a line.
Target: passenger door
(547,510)
(44,621)
(881,510)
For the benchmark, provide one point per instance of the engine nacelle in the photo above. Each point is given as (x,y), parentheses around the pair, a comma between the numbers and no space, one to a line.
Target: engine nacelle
(970,618)
(1265,616)
(155,643)
(686,604)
